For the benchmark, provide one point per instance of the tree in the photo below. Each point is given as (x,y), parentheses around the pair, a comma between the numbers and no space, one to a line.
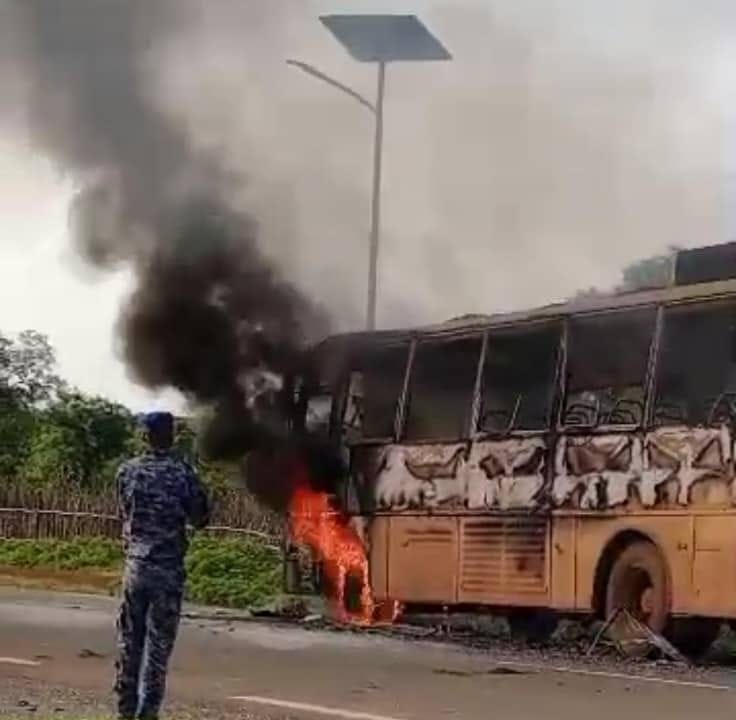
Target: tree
(28,380)
(28,370)
(651,272)
(78,439)
(16,428)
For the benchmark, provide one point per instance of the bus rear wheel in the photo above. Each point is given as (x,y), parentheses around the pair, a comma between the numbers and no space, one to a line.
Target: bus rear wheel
(638,583)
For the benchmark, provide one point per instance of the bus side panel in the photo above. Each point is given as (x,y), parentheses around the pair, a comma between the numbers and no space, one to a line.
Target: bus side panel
(714,566)
(563,563)
(422,559)
(378,556)
(673,534)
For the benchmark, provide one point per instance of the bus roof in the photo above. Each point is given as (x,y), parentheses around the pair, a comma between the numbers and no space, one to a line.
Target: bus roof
(583,305)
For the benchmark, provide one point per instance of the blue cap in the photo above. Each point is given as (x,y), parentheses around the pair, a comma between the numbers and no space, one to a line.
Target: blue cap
(156,420)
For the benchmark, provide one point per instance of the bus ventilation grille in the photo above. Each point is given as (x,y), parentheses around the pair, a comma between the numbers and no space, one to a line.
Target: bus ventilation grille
(502,559)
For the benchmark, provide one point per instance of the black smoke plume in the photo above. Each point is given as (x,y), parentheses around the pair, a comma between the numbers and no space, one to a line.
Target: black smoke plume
(209,315)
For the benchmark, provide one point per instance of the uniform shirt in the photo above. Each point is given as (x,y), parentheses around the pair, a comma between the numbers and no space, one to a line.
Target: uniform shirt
(158,493)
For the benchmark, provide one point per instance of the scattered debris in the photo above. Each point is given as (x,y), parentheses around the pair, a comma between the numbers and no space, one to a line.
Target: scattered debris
(453,673)
(86,653)
(27,706)
(501,670)
(640,641)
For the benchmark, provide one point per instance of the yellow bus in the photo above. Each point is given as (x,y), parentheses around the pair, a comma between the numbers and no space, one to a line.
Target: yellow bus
(576,459)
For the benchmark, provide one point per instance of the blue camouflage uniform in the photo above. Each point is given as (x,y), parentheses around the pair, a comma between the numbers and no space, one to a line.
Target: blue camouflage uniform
(158,494)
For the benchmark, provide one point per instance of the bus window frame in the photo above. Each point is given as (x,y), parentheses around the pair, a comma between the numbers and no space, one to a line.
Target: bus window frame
(694,303)
(559,390)
(468,431)
(554,391)
(647,381)
(344,391)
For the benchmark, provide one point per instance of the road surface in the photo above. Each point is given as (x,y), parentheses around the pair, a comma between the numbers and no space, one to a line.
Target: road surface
(57,654)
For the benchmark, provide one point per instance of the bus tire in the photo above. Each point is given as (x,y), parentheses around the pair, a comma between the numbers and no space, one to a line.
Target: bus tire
(693,636)
(532,626)
(638,583)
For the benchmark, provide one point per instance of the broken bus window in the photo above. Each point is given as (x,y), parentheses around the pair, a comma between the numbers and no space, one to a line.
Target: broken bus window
(441,386)
(375,384)
(319,413)
(518,379)
(696,370)
(608,356)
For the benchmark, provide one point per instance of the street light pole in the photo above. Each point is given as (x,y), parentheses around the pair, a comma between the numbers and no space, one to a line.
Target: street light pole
(375,229)
(376,201)
(377,39)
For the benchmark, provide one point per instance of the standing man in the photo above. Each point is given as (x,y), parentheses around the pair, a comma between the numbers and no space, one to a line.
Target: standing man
(158,493)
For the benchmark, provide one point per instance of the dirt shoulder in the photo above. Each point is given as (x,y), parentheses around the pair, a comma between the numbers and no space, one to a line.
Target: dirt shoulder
(102,582)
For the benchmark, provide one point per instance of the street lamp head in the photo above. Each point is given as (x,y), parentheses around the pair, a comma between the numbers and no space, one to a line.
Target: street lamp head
(385,38)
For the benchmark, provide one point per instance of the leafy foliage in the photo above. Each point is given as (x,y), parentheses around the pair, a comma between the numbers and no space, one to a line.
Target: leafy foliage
(78,439)
(28,382)
(236,572)
(651,272)
(53,434)
(28,369)
(16,428)
(76,554)
(232,572)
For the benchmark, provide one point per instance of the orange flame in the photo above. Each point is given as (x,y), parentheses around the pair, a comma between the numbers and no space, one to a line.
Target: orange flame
(315,523)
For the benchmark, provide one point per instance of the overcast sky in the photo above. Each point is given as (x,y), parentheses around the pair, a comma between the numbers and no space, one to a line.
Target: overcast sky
(564,140)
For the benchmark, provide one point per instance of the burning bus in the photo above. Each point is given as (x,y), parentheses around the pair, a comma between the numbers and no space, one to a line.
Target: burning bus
(576,459)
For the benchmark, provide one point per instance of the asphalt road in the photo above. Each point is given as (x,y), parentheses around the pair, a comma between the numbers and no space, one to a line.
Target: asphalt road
(57,652)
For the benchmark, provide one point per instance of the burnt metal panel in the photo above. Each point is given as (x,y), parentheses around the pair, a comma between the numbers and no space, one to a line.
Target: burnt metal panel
(596,472)
(689,466)
(669,467)
(503,559)
(418,477)
(505,474)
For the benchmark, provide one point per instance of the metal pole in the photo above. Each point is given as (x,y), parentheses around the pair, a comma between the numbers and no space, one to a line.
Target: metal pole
(376,201)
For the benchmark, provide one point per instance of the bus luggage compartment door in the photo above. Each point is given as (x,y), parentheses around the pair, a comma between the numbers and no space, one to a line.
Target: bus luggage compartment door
(422,559)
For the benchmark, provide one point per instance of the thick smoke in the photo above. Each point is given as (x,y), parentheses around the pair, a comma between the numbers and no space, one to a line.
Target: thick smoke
(209,314)
(561,143)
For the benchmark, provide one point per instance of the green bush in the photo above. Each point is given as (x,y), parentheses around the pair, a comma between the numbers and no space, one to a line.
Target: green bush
(75,554)
(236,573)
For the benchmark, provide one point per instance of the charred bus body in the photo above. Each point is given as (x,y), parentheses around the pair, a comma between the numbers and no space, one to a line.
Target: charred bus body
(572,460)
